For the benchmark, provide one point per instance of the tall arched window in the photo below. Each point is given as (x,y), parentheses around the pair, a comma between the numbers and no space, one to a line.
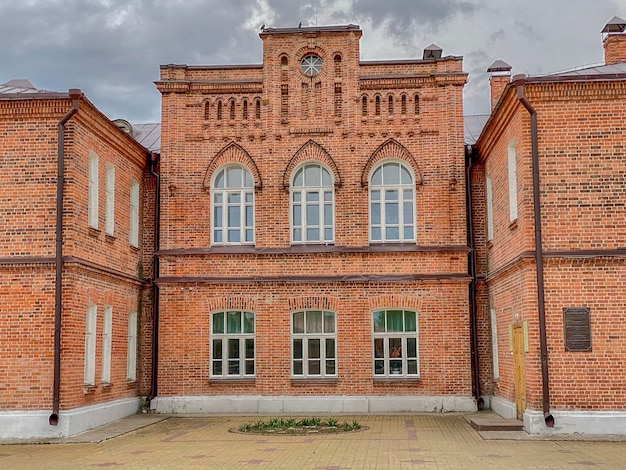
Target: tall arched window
(232,206)
(364,106)
(392,203)
(312,205)
(390,100)
(377,106)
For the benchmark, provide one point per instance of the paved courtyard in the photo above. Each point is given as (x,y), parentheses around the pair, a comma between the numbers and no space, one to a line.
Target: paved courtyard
(392,441)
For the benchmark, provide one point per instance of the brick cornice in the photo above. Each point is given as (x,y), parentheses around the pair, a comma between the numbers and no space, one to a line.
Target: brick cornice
(215,87)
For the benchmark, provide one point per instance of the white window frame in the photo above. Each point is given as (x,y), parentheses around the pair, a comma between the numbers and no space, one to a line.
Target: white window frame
(379,194)
(92,208)
(230,338)
(110,200)
(232,206)
(389,361)
(133,229)
(107,340)
(303,362)
(489,195)
(512,171)
(91,319)
(131,348)
(494,344)
(310,194)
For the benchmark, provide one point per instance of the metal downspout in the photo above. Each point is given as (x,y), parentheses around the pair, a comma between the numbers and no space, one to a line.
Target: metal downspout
(75,96)
(471,260)
(520,81)
(154,160)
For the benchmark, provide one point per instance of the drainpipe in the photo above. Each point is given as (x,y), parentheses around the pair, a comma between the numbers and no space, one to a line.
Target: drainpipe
(154,161)
(471,264)
(75,96)
(520,81)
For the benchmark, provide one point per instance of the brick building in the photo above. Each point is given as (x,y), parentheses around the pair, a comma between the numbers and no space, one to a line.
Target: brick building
(71,276)
(548,192)
(313,243)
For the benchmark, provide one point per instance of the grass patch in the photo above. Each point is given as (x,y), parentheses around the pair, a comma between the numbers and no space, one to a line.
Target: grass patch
(299,426)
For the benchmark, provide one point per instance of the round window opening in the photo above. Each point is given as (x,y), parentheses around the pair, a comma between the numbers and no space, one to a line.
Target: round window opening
(311,64)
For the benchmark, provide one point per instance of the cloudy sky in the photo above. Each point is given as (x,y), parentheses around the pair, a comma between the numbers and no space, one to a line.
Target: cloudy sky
(112,49)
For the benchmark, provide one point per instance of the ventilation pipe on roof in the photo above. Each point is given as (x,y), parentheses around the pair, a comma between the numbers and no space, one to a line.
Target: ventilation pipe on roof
(520,81)
(75,96)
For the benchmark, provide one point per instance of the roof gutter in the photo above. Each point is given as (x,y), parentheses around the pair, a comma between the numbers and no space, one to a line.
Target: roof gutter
(519,81)
(75,96)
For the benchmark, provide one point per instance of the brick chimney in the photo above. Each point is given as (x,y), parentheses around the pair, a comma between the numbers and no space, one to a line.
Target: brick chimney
(500,76)
(614,41)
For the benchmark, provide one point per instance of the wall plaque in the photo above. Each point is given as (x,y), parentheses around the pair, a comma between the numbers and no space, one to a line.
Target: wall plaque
(577,328)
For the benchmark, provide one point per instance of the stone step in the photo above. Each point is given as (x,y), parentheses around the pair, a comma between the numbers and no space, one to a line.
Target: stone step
(496,424)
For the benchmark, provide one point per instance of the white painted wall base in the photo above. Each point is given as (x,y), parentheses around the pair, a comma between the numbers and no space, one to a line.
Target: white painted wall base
(503,407)
(34,424)
(314,404)
(576,422)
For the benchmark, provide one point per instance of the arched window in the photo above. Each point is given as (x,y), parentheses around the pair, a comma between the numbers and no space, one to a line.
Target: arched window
(219,109)
(232,344)
(257,109)
(403,105)
(377,106)
(392,203)
(417,104)
(390,100)
(312,205)
(337,60)
(232,206)
(207,109)
(364,106)
(313,339)
(244,112)
(395,336)
(232,110)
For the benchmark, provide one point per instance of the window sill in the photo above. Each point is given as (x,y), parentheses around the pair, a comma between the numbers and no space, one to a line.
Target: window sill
(131,383)
(513,225)
(134,249)
(89,389)
(110,238)
(383,380)
(232,379)
(106,385)
(94,232)
(313,380)
(489,244)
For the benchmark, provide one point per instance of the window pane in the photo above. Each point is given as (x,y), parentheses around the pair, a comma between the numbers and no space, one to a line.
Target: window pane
(217,198)
(379,367)
(248,183)
(234,198)
(314,367)
(392,233)
(219,180)
(409,321)
(375,215)
(297,349)
(314,348)
(376,234)
(234,177)
(394,320)
(297,197)
(248,197)
(408,232)
(249,235)
(233,367)
(408,213)
(411,366)
(328,214)
(330,348)
(329,322)
(312,215)
(379,322)
(234,216)
(375,195)
(328,234)
(233,322)
(377,176)
(233,236)
(379,348)
(297,368)
(391,213)
(297,215)
(314,322)
(217,218)
(312,175)
(313,234)
(330,367)
(395,348)
(312,196)
(326,179)
(298,322)
(218,323)
(217,367)
(405,176)
(217,236)
(248,322)
(328,196)
(298,179)
(249,219)
(411,347)
(391,173)
(297,235)
(249,367)
(217,349)
(391,195)
(233,349)
(249,348)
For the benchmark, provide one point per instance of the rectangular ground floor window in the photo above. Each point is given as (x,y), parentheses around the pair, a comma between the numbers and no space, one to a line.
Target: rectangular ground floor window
(232,344)
(396,352)
(314,336)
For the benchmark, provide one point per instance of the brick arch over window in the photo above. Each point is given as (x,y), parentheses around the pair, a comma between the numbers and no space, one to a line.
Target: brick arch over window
(311,151)
(411,302)
(236,302)
(232,153)
(391,149)
(313,303)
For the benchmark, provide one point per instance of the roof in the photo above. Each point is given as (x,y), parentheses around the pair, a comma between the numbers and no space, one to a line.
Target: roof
(148,135)
(311,29)
(591,71)
(22,89)
(473,125)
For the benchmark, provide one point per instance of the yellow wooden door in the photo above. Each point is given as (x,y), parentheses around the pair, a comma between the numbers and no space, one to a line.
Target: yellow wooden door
(518,365)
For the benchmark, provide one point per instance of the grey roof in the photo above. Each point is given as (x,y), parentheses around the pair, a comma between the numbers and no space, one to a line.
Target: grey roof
(619,68)
(22,88)
(148,135)
(474,124)
(499,66)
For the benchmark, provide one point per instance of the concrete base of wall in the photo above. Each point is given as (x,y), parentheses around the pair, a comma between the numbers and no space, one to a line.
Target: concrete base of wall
(34,424)
(503,407)
(576,422)
(313,404)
